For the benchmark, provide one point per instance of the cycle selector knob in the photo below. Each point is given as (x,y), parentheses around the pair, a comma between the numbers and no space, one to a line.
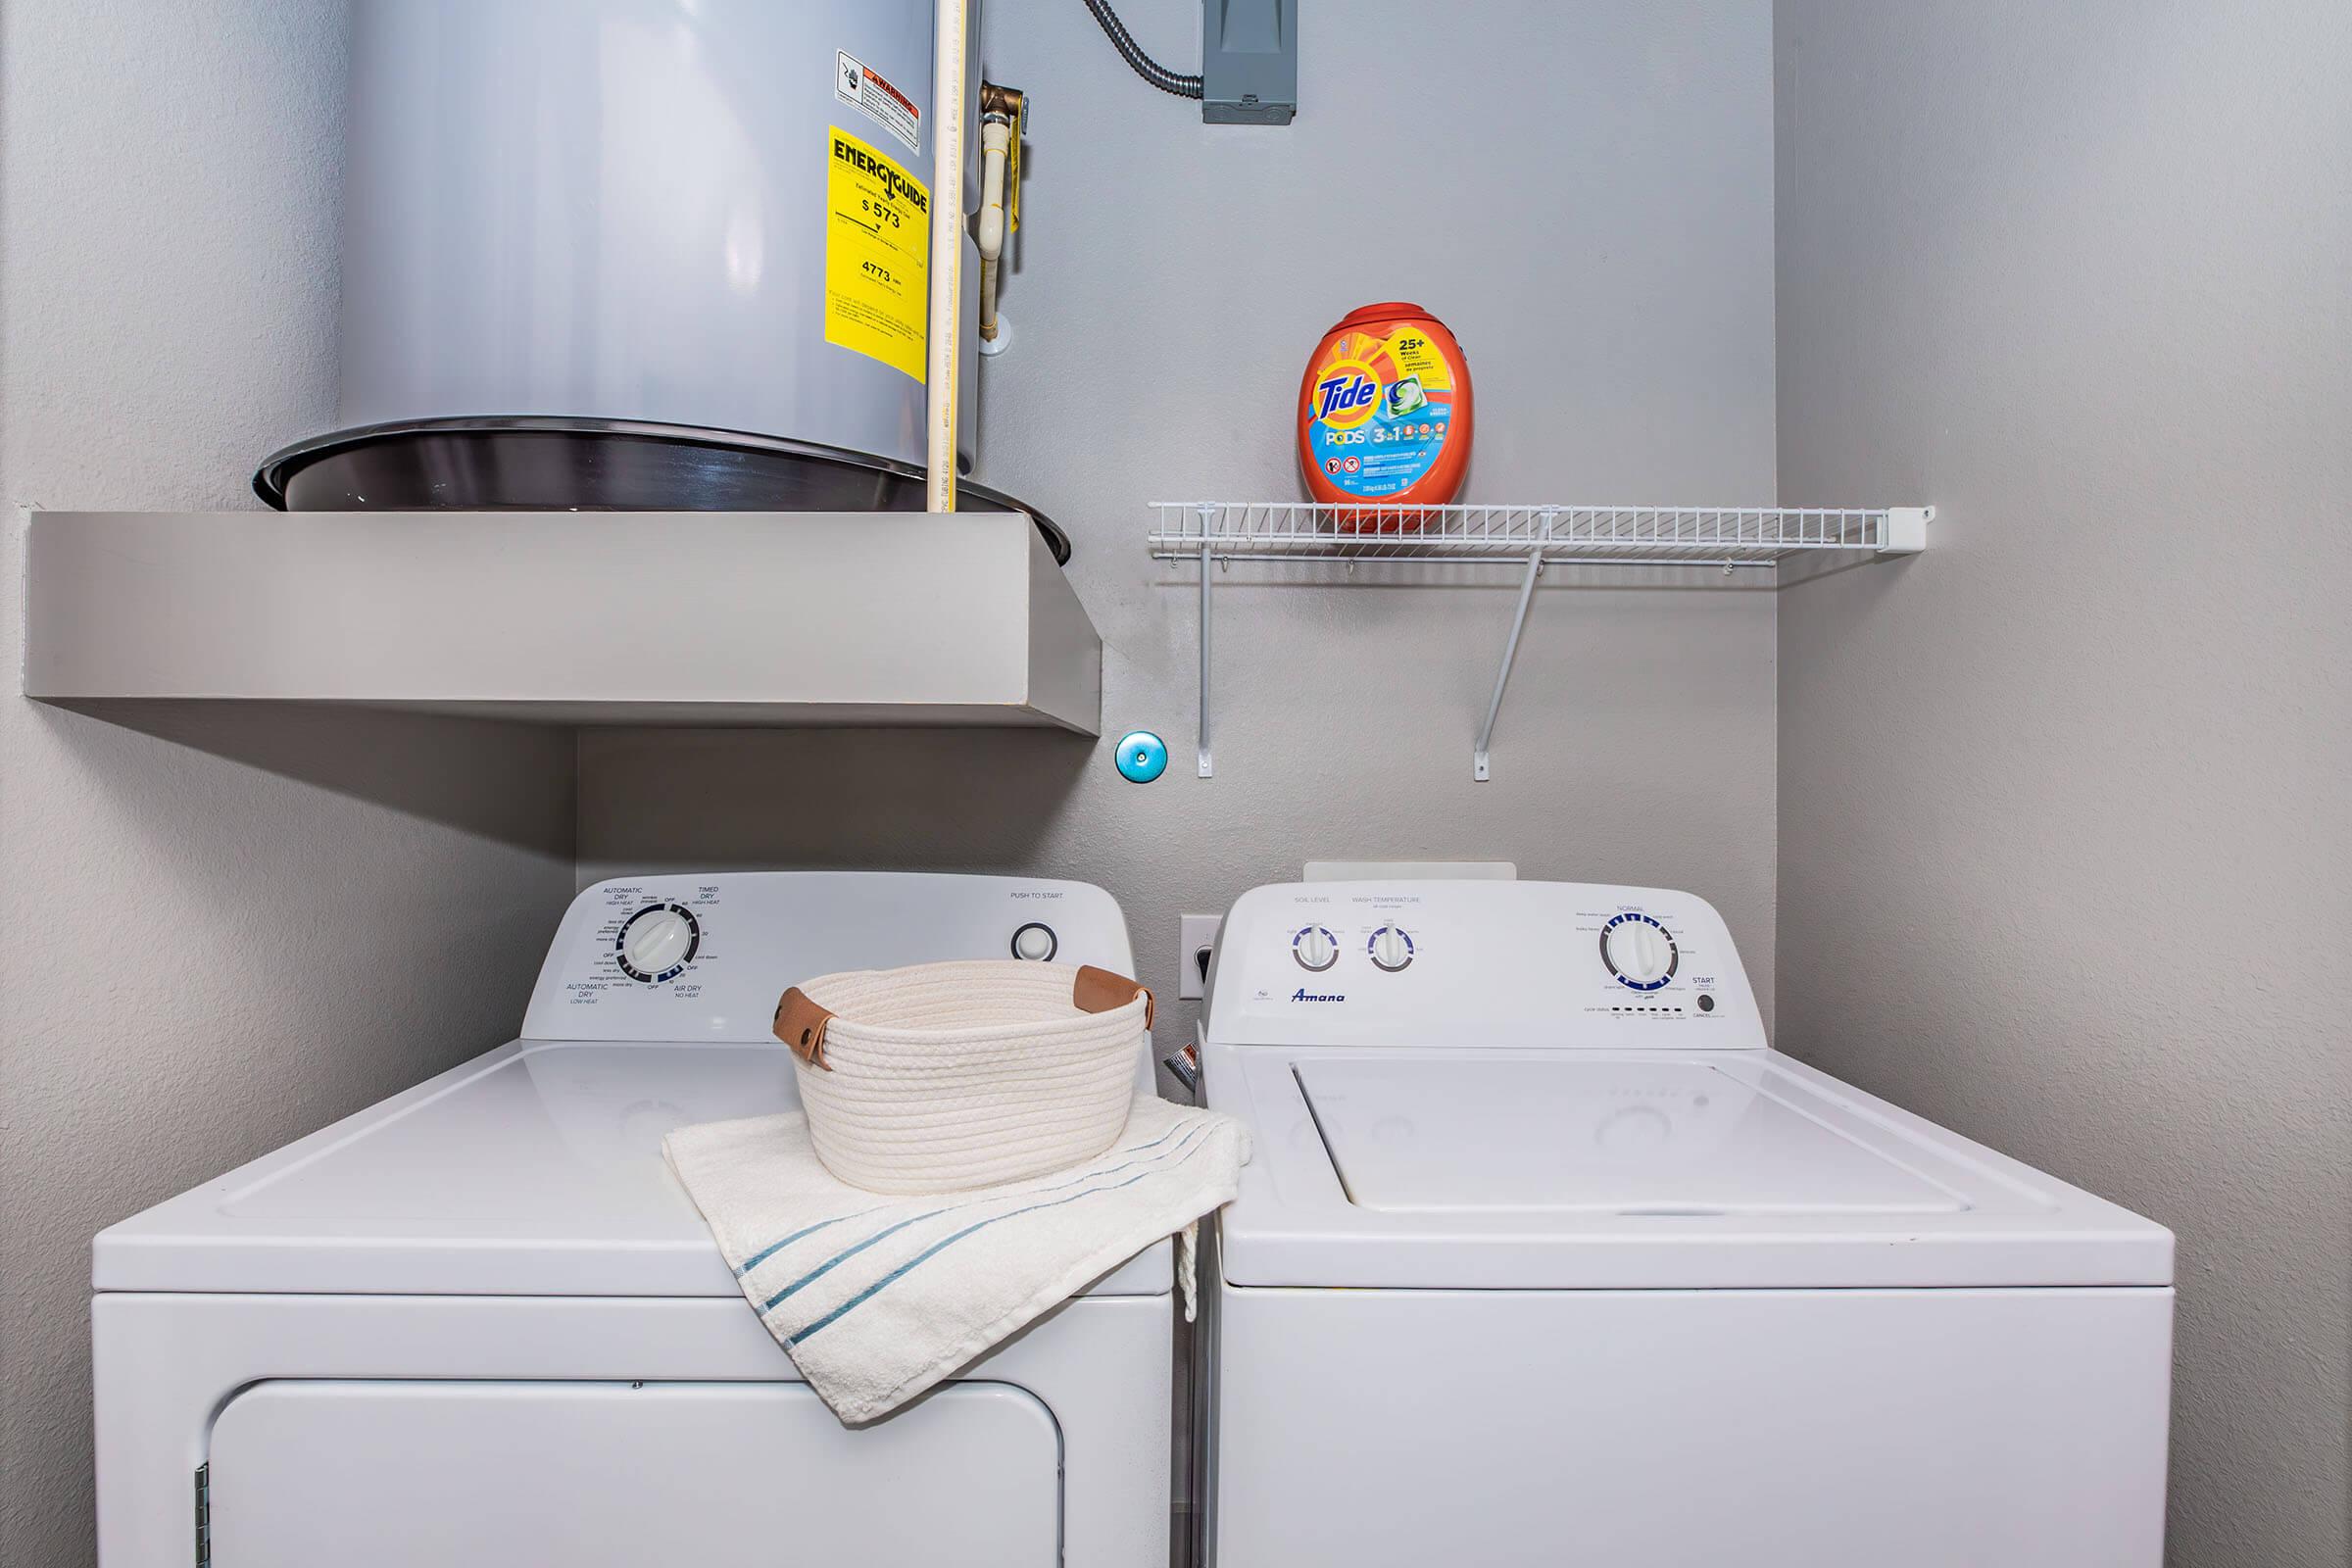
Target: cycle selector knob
(1315,948)
(1639,951)
(658,941)
(1391,947)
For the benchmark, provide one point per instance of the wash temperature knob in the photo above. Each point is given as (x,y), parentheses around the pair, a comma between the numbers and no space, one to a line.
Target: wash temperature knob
(1392,949)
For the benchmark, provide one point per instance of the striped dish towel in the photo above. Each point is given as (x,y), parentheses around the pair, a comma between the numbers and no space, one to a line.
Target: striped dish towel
(877,1298)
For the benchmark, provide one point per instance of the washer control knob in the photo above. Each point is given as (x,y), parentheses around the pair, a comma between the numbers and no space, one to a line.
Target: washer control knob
(1392,948)
(1638,951)
(1315,948)
(656,943)
(1035,941)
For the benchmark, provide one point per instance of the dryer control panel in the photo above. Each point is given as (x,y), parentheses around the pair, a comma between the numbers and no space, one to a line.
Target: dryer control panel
(1479,964)
(703,956)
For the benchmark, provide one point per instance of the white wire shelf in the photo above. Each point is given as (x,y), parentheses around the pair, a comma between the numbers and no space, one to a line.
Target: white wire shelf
(1530,537)
(1561,536)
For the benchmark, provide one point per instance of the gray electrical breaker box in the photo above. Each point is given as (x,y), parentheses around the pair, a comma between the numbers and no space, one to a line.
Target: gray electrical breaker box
(1249,61)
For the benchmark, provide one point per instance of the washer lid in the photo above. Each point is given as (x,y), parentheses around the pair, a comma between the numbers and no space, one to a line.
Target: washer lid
(1457,1167)
(1657,1136)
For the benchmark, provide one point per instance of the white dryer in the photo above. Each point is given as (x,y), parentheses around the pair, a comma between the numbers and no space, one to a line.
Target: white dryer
(481,1324)
(1544,1257)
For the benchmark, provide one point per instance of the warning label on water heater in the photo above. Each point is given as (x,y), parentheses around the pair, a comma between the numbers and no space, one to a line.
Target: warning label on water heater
(855,84)
(877,255)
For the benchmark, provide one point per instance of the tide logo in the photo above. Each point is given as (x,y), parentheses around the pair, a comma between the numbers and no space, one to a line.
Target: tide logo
(1346,393)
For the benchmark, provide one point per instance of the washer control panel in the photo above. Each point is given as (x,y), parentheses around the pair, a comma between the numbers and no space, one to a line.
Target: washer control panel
(1485,964)
(706,957)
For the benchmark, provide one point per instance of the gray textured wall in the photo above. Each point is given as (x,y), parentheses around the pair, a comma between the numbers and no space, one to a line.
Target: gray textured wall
(2063,831)
(225,930)
(2076,274)
(1583,194)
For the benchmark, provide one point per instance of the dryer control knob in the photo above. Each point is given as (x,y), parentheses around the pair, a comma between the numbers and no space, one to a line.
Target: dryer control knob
(1315,948)
(1392,948)
(658,941)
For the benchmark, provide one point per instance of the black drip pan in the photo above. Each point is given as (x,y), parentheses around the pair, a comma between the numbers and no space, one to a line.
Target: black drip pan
(558,464)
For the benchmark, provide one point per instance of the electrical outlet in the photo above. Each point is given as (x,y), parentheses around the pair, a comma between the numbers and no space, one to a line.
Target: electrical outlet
(1195,935)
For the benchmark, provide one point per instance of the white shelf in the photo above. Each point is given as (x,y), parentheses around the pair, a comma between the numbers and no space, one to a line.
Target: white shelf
(1735,537)
(1530,537)
(591,618)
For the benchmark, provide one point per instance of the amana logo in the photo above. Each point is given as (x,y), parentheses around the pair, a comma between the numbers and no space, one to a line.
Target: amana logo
(1305,995)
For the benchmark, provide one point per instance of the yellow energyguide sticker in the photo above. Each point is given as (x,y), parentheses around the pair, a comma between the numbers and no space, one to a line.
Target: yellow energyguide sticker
(877,255)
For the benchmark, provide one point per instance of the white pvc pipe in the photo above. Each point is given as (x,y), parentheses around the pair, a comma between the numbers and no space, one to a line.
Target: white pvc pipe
(948,37)
(996,141)
(996,144)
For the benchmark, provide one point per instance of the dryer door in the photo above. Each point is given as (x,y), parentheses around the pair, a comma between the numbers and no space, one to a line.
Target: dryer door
(394,1474)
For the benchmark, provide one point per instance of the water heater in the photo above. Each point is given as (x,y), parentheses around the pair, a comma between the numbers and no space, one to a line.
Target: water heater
(638,252)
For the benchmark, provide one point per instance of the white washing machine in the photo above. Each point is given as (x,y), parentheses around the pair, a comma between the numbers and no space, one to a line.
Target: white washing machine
(1544,1257)
(481,1324)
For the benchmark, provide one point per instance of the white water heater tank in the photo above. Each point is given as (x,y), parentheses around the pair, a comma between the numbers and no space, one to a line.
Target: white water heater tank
(577,231)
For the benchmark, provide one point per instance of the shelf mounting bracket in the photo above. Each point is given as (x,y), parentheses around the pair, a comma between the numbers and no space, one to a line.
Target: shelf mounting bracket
(1209,767)
(1906,530)
(1511,653)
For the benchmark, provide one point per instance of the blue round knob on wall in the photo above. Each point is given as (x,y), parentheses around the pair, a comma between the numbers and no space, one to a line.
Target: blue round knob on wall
(1143,757)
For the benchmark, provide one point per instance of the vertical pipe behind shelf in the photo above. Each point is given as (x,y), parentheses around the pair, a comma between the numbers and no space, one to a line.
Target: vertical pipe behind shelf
(949,44)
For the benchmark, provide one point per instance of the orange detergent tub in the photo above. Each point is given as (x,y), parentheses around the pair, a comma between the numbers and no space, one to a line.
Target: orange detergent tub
(1384,414)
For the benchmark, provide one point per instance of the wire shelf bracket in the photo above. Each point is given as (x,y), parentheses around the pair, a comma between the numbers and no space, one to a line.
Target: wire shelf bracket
(1531,537)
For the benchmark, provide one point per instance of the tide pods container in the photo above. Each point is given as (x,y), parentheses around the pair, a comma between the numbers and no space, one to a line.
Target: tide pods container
(1383,412)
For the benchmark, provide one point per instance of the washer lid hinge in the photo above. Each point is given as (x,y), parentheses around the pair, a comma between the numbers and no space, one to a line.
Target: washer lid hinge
(204,1515)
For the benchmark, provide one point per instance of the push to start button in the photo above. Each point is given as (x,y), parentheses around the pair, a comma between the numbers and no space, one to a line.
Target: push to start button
(1036,942)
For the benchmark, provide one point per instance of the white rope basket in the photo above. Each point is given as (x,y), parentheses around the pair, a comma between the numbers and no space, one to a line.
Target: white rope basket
(942,1077)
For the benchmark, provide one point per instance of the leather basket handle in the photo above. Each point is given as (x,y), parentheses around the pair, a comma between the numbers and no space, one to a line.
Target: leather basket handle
(1103,990)
(801,1024)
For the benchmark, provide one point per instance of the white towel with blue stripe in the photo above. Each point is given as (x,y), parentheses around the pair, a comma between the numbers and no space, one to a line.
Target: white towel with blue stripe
(877,1298)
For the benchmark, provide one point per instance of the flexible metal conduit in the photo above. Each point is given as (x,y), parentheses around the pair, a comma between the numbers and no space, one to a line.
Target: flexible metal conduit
(1150,70)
